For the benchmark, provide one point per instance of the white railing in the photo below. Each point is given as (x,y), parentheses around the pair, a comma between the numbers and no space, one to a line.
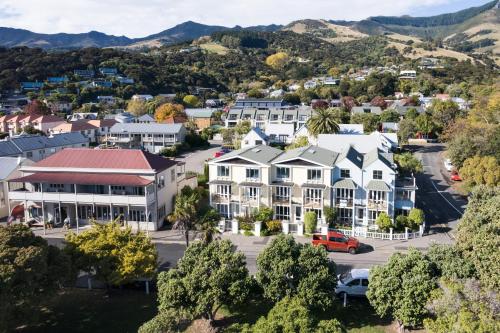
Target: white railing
(365,233)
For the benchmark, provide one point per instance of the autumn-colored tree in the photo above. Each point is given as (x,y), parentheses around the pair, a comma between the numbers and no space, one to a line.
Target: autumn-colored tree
(379,101)
(481,170)
(320,104)
(277,60)
(137,107)
(168,110)
(348,102)
(300,141)
(36,107)
(191,101)
(334,71)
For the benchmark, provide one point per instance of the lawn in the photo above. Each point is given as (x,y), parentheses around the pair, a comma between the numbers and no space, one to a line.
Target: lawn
(80,310)
(215,48)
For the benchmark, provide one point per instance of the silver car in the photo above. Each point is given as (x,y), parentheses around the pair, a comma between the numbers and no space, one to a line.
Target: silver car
(353,283)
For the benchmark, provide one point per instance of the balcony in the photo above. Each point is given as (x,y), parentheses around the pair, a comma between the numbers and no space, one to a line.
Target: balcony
(377,204)
(281,199)
(220,198)
(313,202)
(344,202)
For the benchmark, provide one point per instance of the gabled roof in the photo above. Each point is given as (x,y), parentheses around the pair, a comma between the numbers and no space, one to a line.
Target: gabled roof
(260,154)
(8,165)
(345,183)
(147,117)
(146,128)
(311,154)
(17,145)
(375,155)
(199,113)
(82,158)
(352,155)
(377,185)
(258,132)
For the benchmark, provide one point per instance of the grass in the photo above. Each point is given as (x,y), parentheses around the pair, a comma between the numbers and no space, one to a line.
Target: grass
(80,310)
(215,48)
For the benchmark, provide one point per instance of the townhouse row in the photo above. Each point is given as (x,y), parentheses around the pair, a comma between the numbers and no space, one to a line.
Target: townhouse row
(360,186)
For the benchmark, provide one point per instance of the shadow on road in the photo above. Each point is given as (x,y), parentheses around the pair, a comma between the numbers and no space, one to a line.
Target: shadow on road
(365,248)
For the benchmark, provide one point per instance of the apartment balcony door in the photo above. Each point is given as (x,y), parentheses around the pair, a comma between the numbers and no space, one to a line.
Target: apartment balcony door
(60,213)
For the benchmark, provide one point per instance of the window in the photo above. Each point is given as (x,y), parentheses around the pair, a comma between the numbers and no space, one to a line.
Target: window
(251,193)
(345,173)
(364,282)
(222,171)
(354,283)
(376,196)
(223,190)
(377,174)
(56,187)
(282,173)
(223,210)
(344,193)
(314,174)
(282,212)
(172,175)
(252,174)
(289,117)
(282,193)
(29,154)
(314,194)
(161,182)
(373,214)
(274,117)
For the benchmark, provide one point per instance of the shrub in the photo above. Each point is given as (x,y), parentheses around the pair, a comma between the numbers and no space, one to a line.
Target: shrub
(265,214)
(248,233)
(310,221)
(330,214)
(401,222)
(384,221)
(415,218)
(273,226)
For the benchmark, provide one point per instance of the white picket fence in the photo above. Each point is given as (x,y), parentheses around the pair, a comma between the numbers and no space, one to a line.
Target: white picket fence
(365,233)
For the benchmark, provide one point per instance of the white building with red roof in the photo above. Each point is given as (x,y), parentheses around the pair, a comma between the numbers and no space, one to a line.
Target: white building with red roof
(14,124)
(81,185)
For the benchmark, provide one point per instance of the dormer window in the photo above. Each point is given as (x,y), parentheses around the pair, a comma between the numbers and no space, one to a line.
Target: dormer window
(377,174)
(345,173)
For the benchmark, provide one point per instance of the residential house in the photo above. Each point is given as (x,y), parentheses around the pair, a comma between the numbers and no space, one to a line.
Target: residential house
(98,184)
(203,118)
(407,75)
(121,117)
(101,84)
(145,119)
(148,136)
(311,84)
(94,130)
(58,106)
(143,98)
(277,93)
(214,103)
(259,103)
(366,108)
(385,142)
(124,80)
(84,73)
(38,147)
(9,170)
(31,86)
(254,138)
(360,186)
(108,71)
(109,100)
(14,124)
(82,115)
(56,80)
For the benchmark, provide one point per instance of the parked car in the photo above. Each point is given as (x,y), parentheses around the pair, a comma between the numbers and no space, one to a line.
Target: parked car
(336,241)
(447,164)
(455,176)
(218,153)
(353,283)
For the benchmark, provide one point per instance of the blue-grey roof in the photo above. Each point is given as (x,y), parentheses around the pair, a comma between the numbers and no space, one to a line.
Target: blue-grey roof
(146,128)
(260,154)
(146,117)
(9,164)
(312,154)
(20,144)
(199,113)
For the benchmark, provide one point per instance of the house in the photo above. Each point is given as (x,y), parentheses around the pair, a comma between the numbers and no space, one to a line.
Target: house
(294,87)
(311,84)
(407,75)
(94,130)
(390,127)
(57,80)
(330,81)
(58,106)
(203,118)
(38,147)
(108,71)
(82,115)
(214,103)
(84,73)
(31,86)
(143,98)
(124,80)
(351,129)
(277,93)
(399,94)
(366,108)
(109,100)
(121,117)
(145,118)
(259,103)
(98,184)
(9,170)
(14,124)
(359,185)
(280,133)
(385,142)
(148,136)
(254,138)
(101,84)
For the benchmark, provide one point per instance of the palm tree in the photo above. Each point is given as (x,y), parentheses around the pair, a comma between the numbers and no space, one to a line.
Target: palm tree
(185,215)
(208,225)
(323,121)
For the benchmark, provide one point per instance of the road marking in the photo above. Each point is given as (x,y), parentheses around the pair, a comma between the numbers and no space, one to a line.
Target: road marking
(442,196)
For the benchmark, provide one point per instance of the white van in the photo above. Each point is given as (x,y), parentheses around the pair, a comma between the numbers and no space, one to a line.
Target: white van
(353,283)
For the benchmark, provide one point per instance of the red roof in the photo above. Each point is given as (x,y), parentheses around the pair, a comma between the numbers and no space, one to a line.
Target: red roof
(106,159)
(84,179)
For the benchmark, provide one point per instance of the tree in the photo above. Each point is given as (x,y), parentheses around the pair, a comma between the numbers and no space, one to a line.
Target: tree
(407,130)
(322,122)
(264,214)
(36,107)
(137,107)
(348,102)
(206,278)
(292,99)
(334,72)
(444,112)
(330,214)
(292,315)
(310,222)
(370,121)
(300,141)
(185,215)
(462,307)
(30,270)
(255,93)
(243,127)
(379,101)
(481,170)
(415,218)
(191,101)
(426,124)
(408,164)
(384,221)
(450,263)
(29,129)
(208,225)
(116,255)
(320,104)
(390,116)
(478,235)
(168,110)
(401,287)
(278,60)
(286,268)
(152,104)
(412,114)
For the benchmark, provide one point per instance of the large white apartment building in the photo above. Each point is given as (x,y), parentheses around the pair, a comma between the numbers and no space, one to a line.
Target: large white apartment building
(86,184)
(360,186)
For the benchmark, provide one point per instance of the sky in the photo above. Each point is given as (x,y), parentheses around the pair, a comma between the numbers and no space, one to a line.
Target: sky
(139,18)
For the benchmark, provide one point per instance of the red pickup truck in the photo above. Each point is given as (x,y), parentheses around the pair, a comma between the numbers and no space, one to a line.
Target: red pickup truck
(336,241)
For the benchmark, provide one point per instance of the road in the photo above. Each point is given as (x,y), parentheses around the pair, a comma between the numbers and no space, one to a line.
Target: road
(196,160)
(441,204)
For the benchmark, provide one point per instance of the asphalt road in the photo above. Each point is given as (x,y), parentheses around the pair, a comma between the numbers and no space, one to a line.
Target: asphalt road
(196,160)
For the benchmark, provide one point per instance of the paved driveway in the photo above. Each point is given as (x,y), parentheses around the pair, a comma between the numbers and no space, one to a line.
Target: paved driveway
(195,160)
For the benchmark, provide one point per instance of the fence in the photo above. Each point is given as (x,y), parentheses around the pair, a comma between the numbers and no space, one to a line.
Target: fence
(363,232)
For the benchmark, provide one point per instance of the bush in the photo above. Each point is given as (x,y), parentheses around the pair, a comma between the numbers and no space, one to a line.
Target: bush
(248,233)
(162,323)
(310,221)
(384,221)
(401,222)
(330,214)
(273,226)
(415,218)
(265,214)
